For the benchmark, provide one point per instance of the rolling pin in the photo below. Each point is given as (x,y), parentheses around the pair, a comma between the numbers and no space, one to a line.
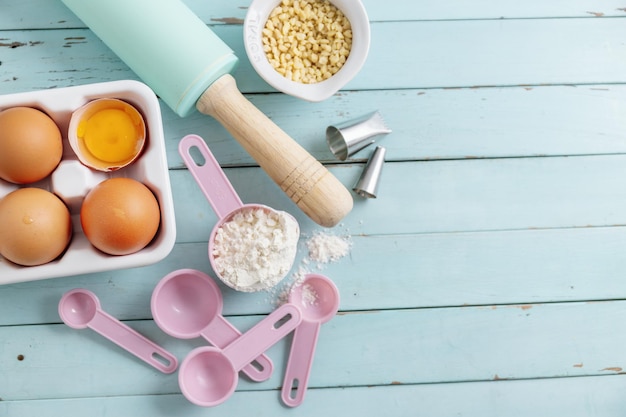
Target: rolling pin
(188,66)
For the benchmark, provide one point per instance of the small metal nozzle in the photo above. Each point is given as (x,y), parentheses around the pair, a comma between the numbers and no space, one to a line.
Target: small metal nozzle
(348,138)
(367,185)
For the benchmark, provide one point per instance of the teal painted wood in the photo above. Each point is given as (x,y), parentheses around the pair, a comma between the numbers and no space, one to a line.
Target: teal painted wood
(382,272)
(457,53)
(394,347)
(55,15)
(446,124)
(576,397)
(486,280)
(445,196)
(433,124)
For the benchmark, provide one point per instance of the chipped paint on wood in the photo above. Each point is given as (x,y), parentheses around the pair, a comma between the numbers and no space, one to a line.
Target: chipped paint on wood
(229,20)
(69,41)
(14,44)
(345,313)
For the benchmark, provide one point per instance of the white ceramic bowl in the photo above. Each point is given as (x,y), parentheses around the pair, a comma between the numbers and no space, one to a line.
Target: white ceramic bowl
(254,23)
(71,180)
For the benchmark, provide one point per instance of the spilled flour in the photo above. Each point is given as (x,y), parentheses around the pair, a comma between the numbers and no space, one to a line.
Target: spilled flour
(321,248)
(309,295)
(324,248)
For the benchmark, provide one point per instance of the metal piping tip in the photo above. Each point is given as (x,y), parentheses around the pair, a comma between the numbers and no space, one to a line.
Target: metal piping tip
(367,185)
(348,138)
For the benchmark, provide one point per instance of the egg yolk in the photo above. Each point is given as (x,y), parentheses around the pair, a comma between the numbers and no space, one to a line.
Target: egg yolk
(111,135)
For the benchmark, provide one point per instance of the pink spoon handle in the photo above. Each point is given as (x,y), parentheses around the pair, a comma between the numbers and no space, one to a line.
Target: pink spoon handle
(133,342)
(221,333)
(263,335)
(210,177)
(299,364)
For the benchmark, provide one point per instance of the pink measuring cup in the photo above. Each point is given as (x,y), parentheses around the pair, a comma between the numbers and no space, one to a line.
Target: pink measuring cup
(318,299)
(221,195)
(80,308)
(187,303)
(208,375)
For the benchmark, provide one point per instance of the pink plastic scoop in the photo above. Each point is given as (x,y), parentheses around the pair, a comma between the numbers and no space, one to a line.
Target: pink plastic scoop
(226,203)
(187,303)
(208,375)
(80,308)
(318,298)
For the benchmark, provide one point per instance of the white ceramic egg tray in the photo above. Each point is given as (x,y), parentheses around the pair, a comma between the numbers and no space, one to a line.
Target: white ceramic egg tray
(71,181)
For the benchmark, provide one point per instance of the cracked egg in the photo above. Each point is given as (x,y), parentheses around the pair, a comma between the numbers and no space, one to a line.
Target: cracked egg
(107,134)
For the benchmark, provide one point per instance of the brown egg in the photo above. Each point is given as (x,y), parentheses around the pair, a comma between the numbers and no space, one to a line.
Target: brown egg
(30,145)
(35,226)
(120,216)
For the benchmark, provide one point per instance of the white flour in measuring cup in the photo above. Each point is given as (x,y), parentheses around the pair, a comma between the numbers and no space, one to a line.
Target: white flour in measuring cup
(256,248)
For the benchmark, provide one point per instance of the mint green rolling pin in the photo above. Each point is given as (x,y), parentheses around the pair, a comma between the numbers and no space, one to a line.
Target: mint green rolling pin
(189,66)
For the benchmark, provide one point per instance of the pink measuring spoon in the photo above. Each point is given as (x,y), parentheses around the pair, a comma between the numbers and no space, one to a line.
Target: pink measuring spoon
(208,375)
(222,196)
(80,308)
(318,299)
(187,303)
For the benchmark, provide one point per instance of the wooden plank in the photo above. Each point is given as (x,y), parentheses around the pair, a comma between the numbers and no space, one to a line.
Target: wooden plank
(455,53)
(474,284)
(443,123)
(381,272)
(446,123)
(478,53)
(444,196)
(355,349)
(488,9)
(574,397)
(55,15)
(411,233)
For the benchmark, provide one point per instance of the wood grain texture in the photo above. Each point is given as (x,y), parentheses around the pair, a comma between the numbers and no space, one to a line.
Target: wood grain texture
(395,347)
(451,54)
(224,12)
(418,270)
(299,175)
(434,124)
(577,397)
(487,279)
(451,196)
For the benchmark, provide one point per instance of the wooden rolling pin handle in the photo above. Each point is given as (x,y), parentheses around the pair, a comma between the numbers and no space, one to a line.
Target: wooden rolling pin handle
(303,178)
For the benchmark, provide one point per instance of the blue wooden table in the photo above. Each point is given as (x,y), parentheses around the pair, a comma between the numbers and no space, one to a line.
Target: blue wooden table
(487,279)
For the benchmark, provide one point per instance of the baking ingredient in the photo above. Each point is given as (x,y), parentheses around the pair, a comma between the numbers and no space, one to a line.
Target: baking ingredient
(35,226)
(255,248)
(30,145)
(120,216)
(108,134)
(324,248)
(309,295)
(307,41)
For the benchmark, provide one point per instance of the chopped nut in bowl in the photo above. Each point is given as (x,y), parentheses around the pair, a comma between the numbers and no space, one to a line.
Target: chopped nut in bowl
(307,48)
